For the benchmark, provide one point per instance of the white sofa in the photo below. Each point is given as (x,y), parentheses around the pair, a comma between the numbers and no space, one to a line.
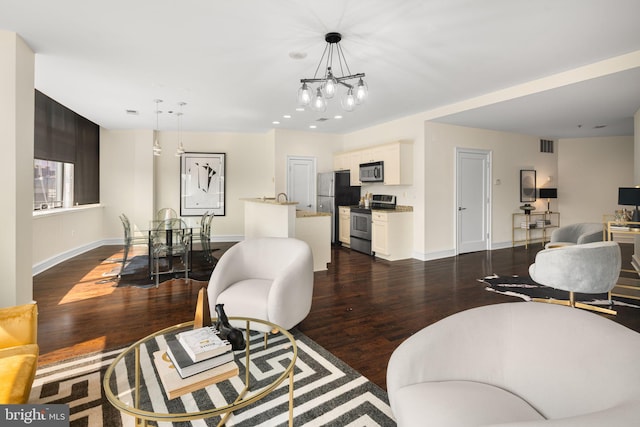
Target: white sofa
(517,364)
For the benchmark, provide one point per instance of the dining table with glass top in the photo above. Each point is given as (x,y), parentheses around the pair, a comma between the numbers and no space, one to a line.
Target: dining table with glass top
(170,234)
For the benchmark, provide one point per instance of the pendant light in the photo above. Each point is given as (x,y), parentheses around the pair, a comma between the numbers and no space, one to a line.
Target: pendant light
(328,83)
(180,150)
(157,150)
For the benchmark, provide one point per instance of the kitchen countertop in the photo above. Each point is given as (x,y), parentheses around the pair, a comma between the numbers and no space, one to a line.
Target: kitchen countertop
(268,200)
(308,214)
(399,208)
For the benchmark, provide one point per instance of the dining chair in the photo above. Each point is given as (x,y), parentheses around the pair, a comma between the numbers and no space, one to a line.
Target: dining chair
(166,213)
(171,238)
(130,240)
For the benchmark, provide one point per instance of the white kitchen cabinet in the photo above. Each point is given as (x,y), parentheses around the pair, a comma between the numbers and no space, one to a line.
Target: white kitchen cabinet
(342,162)
(397,157)
(392,234)
(344,225)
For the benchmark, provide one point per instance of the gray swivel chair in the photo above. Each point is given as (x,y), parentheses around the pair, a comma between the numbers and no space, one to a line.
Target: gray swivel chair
(577,234)
(591,268)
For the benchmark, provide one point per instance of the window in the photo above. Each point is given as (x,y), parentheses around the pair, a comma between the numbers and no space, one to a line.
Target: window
(52,184)
(66,156)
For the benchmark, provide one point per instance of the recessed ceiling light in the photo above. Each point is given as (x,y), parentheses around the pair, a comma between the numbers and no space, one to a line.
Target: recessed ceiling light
(297,55)
(299,109)
(312,126)
(275,122)
(132,112)
(337,117)
(287,116)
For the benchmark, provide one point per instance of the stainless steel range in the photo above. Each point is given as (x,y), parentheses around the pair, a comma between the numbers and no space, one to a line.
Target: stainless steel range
(361,231)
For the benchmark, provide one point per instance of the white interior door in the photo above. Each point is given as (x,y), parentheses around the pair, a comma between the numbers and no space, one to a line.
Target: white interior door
(301,182)
(473,200)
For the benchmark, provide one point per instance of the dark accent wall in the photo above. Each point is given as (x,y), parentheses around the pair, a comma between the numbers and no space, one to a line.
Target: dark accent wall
(64,136)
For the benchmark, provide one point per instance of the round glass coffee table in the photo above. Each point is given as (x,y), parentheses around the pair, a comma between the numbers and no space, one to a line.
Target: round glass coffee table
(132,383)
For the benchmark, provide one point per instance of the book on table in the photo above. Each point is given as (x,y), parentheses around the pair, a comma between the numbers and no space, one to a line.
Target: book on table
(203,343)
(187,367)
(175,386)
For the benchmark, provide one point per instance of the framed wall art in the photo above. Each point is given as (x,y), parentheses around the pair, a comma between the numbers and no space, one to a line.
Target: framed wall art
(202,184)
(527,185)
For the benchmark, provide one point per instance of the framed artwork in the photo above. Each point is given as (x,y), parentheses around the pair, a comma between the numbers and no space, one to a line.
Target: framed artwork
(202,185)
(527,185)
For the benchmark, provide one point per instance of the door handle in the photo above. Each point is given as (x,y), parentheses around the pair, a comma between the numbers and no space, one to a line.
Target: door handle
(461,208)
(308,206)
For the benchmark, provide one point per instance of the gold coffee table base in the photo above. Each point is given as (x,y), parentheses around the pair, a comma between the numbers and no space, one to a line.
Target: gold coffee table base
(142,416)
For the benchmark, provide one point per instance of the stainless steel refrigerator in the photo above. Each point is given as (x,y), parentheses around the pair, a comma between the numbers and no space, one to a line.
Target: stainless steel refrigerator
(334,189)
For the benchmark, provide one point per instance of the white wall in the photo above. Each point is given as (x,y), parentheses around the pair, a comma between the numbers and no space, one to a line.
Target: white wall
(249,172)
(511,153)
(590,172)
(16,168)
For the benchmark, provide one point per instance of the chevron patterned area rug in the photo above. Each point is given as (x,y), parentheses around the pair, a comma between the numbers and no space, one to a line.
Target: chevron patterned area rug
(327,392)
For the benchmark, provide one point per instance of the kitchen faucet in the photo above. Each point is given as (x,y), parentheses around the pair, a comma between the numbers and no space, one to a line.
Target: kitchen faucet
(282,194)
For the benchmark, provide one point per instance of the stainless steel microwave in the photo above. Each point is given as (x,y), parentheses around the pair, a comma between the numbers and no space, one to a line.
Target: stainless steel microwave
(372,172)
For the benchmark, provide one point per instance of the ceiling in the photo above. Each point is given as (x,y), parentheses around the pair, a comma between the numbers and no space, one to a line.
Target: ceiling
(231,62)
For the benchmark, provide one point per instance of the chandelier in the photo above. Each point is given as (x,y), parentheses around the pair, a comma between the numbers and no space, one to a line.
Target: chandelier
(328,83)
(180,150)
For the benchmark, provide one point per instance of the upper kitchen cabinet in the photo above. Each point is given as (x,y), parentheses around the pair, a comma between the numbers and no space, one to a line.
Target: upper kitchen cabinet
(397,157)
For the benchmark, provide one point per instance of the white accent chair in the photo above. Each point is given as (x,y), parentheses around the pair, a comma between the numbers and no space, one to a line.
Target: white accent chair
(590,268)
(517,364)
(577,234)
(267,278)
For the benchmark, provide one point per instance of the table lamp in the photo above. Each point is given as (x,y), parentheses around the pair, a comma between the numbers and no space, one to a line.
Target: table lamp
(548,193)
(630,196)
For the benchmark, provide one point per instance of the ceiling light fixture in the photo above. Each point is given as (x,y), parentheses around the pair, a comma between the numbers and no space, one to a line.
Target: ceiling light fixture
(180,150)
(356,93)
(157,150)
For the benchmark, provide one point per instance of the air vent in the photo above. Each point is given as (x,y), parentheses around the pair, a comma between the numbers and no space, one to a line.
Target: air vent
(132,112)
(546,146)
(322,119)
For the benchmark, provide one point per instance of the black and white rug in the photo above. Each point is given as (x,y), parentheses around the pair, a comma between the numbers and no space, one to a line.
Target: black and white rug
(327,392)
(526,288)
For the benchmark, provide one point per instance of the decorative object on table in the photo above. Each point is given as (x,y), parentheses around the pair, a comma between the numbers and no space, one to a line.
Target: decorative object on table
(183,363)
(527,186)
(228,332)
(630,196)
(203,343)
(202,184)
(202,317)
(548,193)
(527,208)
(328,83)
(176,386)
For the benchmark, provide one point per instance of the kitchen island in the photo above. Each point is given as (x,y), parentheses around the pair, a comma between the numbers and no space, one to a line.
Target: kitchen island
(266,217)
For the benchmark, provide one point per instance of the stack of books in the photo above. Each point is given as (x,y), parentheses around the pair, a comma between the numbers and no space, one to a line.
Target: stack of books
(193,360)
(541,223)
(525,224)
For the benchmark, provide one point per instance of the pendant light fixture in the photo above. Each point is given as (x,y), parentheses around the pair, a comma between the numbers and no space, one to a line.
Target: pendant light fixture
(157,150)
(355,93)
(180,150)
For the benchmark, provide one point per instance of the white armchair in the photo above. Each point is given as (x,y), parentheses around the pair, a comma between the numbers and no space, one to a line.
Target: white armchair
(517,364)
(267,278)
(577,234)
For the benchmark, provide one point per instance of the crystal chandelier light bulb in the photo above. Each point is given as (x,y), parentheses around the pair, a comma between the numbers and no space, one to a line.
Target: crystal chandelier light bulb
(319,102)
(362,91)
(304,95)
(330,85)
(349,101)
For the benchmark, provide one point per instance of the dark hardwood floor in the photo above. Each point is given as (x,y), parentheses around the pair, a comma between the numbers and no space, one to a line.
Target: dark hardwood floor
(363,308)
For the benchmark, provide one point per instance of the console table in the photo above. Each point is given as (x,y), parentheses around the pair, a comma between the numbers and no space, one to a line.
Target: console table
(532,227)
(628,232)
